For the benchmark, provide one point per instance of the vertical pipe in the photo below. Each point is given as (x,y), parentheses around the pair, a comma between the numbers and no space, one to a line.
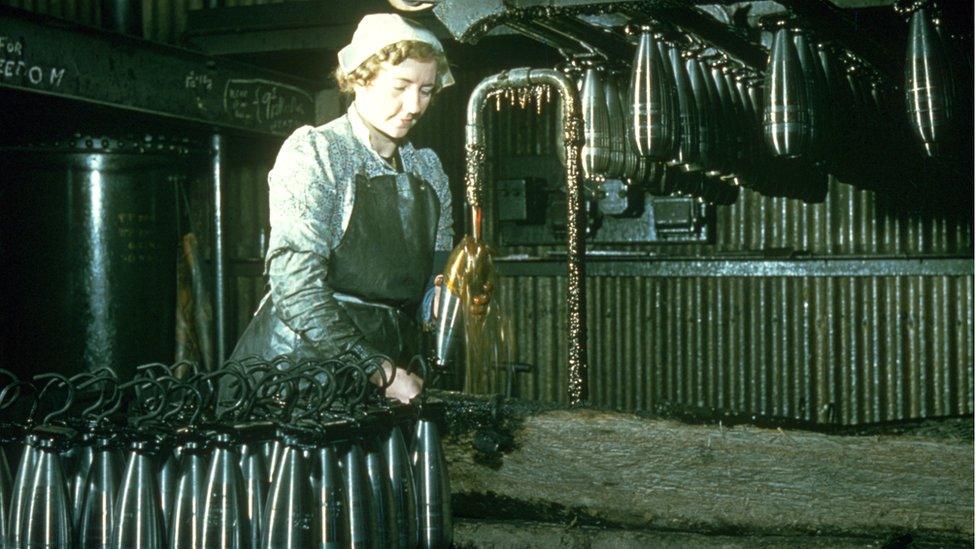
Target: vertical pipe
(217,155)
(575,245)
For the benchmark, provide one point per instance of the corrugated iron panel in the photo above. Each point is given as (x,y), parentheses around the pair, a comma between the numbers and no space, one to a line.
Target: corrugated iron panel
(163,20)
(826,350)
(80,11)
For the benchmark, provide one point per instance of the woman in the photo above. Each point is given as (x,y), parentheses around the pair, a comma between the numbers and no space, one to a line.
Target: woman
(358,214)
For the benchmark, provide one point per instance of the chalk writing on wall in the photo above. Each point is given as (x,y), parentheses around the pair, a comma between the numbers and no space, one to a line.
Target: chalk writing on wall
(17,69)
(271,104)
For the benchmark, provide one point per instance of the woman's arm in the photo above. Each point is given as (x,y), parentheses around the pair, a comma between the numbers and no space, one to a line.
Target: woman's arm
(304,199)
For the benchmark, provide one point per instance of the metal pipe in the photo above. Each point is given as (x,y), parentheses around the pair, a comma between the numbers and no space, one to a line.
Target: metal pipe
(219,260)
(575,245)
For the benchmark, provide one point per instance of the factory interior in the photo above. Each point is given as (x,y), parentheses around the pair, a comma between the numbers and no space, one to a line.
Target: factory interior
(703,275)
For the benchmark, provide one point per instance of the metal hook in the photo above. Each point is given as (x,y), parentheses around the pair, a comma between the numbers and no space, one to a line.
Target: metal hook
(69,400)
(14,386)
(98,378)
(225,370)
(137,421)
(183,403)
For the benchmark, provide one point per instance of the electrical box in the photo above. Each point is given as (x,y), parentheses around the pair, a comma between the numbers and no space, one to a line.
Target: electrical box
(615,213)
(521,200)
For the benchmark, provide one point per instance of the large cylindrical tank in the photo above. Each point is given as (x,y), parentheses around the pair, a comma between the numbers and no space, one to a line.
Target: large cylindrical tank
(89,241)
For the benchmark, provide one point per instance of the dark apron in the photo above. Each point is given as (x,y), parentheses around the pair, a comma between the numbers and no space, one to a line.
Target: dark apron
(379,271)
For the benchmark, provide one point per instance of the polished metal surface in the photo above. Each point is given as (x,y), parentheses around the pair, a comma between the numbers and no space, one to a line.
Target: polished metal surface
(255,475)
(728,128)
(19,495)
(706,113)
(651,114)
(328,495)
(186,522)
(616,122)
(632,160)
(138,521)
(6,487)
(739,123)
(816,85)
(447,336)
(100,498)
(927,83)
(596,152)
(718,124)
(383,506)
(786,116)
(78,476)
(404,491)
(687,149)
(46,518)
(274,453)
(433,487)
(226,523)
(169,473)
(360,523)
(290,514)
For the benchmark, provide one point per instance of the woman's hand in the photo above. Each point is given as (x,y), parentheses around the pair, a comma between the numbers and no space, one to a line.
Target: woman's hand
(404,386)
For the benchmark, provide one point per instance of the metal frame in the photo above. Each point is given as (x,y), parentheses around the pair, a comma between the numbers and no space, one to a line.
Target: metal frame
(47,56)
(648,265)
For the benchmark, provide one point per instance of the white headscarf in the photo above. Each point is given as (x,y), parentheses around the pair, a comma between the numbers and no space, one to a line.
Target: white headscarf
(378,30)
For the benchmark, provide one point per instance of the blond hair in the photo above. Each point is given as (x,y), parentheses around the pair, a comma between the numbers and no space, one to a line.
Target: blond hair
(393,54)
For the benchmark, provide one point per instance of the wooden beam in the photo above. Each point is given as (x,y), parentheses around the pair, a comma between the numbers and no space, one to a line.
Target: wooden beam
(614,469)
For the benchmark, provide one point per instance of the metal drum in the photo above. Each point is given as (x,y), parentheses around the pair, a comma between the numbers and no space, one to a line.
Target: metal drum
(88,232)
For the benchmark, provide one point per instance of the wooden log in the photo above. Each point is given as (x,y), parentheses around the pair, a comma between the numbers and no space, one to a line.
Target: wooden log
(613,469)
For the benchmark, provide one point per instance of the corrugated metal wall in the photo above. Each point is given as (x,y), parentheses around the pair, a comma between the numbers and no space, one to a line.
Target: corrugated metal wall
(825,349)
(163,20)
(828,349)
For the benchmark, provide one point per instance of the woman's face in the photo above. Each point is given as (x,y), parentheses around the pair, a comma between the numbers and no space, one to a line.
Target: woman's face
(398,96)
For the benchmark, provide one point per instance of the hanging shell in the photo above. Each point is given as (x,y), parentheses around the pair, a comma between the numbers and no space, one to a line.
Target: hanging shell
(687,150)
(837,121)
(816,87)
(618,135)
(631,167)
(786,120)
(717,123)
(726,115)
(927,83)
(737,130)
(595,154)
(705,111)
(650,112)
(673,113)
